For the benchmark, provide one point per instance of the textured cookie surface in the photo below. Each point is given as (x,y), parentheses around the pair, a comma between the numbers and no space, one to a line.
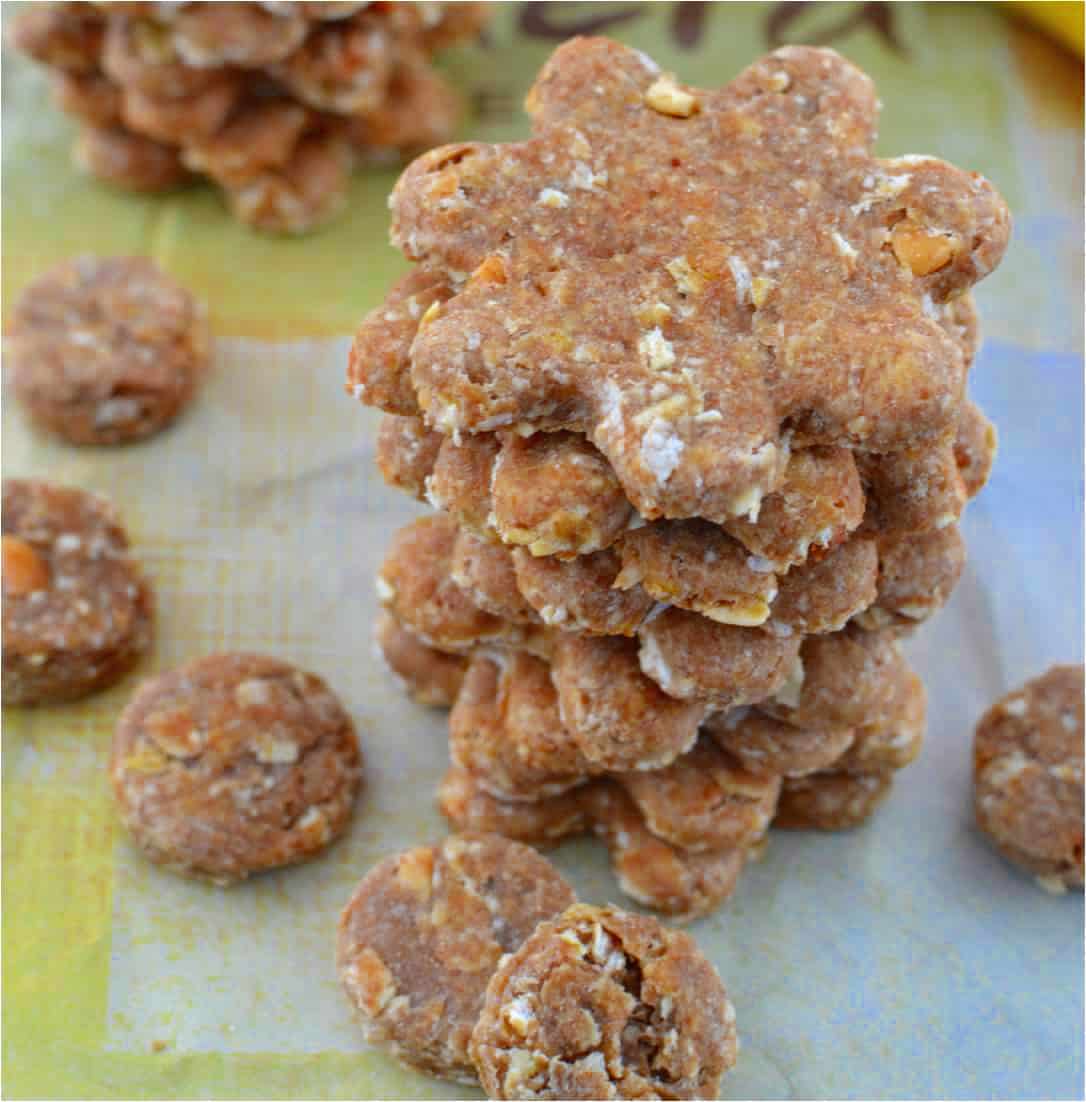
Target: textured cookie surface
(77,610)
(233,764)
(603,1004)
(1028,777)
(692,278)
(106,350)
(423,933)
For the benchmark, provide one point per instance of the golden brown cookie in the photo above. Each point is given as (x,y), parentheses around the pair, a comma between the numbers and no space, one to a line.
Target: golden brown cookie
(211,35)
(698,566)
(1027,775)
(892,743)
(406,453)
(78,612)
(486,573)
(234,764)
(694,658)
(830,801)
(653,872)
(822,595)
(425,930)
(261,135)
(742,327)
(704,800)
(342,67)
(841,681)
(179,120)
(599,1003)
(555,494)
(140,51)
(428,676)
(544,822)
(506,731)
(116,156)
(620,718)
(415,583)
(89,97)
(63,36)
(104,351)
(301,195)
(583,593)
(917,575)
(766,745)
(975,448)
(375,366)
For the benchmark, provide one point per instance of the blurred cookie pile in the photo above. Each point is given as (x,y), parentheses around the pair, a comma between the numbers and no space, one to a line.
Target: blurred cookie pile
(684,374)
(273,102)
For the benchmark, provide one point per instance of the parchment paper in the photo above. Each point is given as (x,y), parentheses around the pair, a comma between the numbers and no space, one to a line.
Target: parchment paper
(902,960)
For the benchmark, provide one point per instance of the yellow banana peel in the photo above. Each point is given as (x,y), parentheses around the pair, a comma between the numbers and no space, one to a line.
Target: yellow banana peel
(1060,18)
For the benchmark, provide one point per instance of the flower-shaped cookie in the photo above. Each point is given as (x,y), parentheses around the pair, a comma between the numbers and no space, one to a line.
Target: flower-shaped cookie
(695,279)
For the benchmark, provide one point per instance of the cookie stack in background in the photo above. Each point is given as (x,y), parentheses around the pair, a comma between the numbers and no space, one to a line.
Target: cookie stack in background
(273,102)
(684,375)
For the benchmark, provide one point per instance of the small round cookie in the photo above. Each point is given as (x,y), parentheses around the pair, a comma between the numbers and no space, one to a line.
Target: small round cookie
(104,351)
(704,800)
(604,1004)
(425,930)
(116,156)
(430,677)
(917,574)
(830,801)
(763,744)
(537,822)
(234,764)
(77,610)
(420,110)
(1028,777)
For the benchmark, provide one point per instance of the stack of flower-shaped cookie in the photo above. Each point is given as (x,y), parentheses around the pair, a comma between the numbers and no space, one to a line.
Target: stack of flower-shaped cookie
(685,373)
(271,101)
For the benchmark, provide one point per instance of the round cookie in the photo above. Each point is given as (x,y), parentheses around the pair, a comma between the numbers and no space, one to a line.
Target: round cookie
(603,1004)
(1028,777)
(104,351)
(208,36)
(423,932)
(77,610)
(89,97)
(234,764)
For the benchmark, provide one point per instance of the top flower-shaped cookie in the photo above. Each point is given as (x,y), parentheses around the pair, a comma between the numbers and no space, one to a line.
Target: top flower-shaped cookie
(696,280)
